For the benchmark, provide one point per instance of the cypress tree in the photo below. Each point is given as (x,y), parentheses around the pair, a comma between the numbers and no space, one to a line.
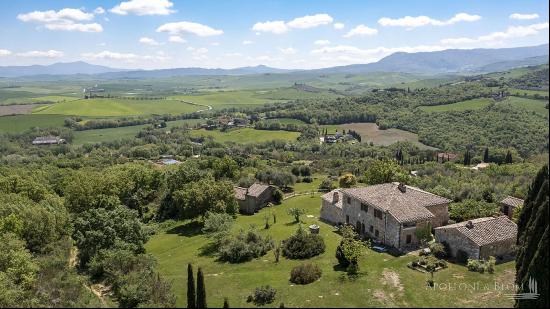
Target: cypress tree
(190,287)
(508,159)
(225,303)
(201,291)
(532,243)
(486,155)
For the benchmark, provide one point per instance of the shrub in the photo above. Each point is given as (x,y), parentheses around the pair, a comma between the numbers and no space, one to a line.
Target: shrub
(307,179)
(326,185)
(277,196)
(244,247)
(305,273)
(264,295)
(303,245)
(438,250)
(347,180)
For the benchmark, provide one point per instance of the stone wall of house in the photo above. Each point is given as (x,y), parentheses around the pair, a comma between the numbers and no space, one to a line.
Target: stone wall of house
(456,242)
(248,205)
(393,231)
(441,213)
(331,214)
(502,250)
(352,214)
(263,199)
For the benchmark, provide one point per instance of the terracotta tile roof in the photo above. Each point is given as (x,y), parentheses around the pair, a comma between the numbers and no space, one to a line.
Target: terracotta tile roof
(408,205)
(484,231)
(329,197)
(257,189)
(240,193)
(512,201)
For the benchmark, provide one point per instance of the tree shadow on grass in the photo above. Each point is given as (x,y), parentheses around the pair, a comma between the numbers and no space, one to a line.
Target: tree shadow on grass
(210,249)
(188,229)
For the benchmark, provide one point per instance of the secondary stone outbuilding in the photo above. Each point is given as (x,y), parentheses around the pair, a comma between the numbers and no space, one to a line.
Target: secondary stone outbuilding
(254,198)
(480,238)
(509,204)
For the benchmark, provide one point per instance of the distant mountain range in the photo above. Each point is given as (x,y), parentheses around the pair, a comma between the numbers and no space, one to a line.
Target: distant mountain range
(429,63)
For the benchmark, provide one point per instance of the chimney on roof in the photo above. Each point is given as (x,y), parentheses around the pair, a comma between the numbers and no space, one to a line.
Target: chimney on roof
(402,187)
(470,225)
(335,197)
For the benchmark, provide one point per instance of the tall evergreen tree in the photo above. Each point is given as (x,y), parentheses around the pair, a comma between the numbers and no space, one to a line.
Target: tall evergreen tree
(486,155)
(532,243)
(201,290)
(191,296)
(225,303)
(508,158)
(467,158)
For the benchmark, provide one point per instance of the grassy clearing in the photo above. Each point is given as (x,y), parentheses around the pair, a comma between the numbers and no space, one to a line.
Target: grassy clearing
(246,135)
(18,123)
(111,134)
(226,99)
(459,106)
(116,107)
(385,280)
(522,92)
(538,106)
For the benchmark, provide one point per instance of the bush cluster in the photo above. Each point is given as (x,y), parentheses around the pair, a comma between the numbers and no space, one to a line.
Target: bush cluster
(244,247)
(303,245)
(305,273)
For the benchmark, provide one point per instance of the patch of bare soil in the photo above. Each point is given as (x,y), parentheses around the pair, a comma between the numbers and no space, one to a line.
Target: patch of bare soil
(16,109)
(391,278)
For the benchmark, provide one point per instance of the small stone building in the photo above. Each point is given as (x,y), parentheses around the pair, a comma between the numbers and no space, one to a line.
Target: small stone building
(48,140)
(389,213)
(253,198)
(331,207)
(480,238)
(509,204)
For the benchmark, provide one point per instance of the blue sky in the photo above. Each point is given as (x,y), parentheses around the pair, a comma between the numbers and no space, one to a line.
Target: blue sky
(288,34)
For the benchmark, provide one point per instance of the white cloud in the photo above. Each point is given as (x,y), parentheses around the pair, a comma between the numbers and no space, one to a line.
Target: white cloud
(148,41)
(310,21)
(143,7)
(339,26)
(247,42)
(520,16)
(419,21)
(198,53)
(42,54)
(95,27)
(4,52)
(184,27)
(99,10)
(361,30)
(64,20)
(276,27)
(176,39)
(288,51)
(304,22)
(126,57)
(322,42)
(510,33)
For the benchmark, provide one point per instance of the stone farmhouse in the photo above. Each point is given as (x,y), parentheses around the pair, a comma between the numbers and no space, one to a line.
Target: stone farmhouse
(253,198)
(480,238)
(389,213)
(509,204)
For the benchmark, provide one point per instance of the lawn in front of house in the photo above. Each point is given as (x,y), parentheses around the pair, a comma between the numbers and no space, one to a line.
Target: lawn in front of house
(385,280)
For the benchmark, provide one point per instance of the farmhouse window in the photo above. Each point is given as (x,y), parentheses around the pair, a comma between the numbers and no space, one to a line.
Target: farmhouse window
(378,214)
(365,207)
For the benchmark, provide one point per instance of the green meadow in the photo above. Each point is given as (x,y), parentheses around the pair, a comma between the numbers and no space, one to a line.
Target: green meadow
(538,106)
(116,107)
(246,135)
(384,280)
(459,106)
(18,123)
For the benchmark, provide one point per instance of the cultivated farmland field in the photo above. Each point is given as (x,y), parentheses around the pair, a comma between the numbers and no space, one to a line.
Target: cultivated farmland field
(384,281)
(117,107)
(246,135)
(371,133)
